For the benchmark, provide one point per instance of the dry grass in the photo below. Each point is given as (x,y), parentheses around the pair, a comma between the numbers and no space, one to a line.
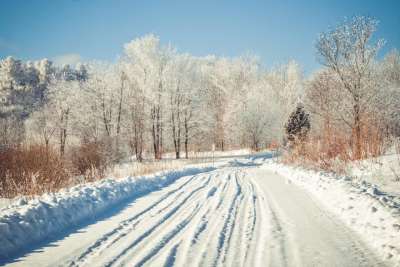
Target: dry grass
(34,169)
(332,148)
(89,161)
(30,170)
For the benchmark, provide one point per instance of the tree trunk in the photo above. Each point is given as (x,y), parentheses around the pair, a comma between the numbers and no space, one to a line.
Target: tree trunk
(186,138)
(156,132)
(47,141)
(153,132)
(63,132)
(176,122)
(119,115)
(357,132)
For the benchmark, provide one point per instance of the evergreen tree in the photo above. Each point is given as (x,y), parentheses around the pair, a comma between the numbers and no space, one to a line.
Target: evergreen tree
(298,125)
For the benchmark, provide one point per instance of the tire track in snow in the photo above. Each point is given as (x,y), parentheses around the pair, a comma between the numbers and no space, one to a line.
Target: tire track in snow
(158,224)
(278,241)
(201,199)
(192,247)
(226,232)
(199,251)
(168,237)
(253,220)
(255,251)
(171,256)
(242,227)
(181,236)
(279,235)
(250,225)
(128,225)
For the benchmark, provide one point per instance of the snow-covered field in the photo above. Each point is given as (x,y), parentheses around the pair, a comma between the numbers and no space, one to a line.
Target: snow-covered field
(248,211)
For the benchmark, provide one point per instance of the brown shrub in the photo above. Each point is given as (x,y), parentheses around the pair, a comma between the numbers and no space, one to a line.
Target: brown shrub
(89,161)
(333,148)
(30,170)
(329,151)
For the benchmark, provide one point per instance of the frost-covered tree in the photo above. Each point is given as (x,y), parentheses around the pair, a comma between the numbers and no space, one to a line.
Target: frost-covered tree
(151,61)
(42,124)
(220,83)
(323,99)
(349,52)
(389,100)
(257,119)
(153,99)
(182,88)
(46,72)
(176,84)
(63,97)
(286,84)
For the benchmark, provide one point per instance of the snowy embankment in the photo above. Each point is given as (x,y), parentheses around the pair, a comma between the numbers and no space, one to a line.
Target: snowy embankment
(30,221)
(373,214)
(383,171)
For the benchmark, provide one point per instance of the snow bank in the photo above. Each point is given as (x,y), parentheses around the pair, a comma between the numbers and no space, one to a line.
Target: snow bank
(29,221)
(373,214)
(4,202)
(383,171)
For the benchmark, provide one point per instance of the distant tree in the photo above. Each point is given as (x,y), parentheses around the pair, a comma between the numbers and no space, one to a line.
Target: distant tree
(81,72)
(46,72)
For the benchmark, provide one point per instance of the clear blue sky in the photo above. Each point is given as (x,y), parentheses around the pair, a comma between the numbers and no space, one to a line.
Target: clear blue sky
(274,30)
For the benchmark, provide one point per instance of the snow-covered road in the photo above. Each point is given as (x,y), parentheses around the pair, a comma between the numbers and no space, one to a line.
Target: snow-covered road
(236,215)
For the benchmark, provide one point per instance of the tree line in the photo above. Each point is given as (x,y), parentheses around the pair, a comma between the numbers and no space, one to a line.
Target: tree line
(155,99)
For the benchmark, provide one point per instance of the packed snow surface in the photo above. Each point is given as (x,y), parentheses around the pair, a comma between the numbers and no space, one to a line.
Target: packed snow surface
(246,212)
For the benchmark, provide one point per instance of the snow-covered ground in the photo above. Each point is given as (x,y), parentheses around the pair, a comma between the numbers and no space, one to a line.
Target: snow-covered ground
(200,154)
(4,202)
(372,213)
(383,172)
(248,211)
(209,154)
